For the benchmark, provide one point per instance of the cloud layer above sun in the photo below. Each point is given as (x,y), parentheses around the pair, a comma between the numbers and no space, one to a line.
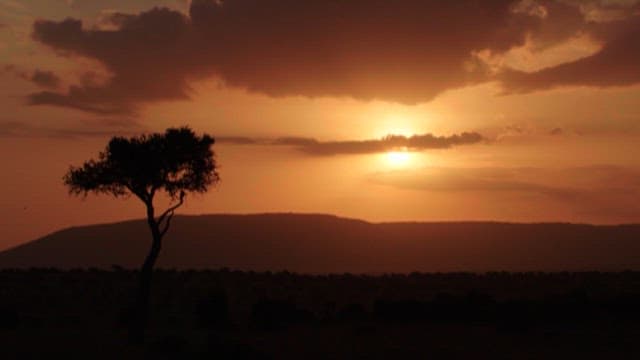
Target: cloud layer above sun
(406,51)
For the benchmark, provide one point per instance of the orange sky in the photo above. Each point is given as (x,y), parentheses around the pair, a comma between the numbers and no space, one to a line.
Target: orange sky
(521,110)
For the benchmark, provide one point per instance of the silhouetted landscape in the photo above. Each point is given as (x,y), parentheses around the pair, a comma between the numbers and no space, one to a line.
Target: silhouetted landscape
(226,314)
(288,286)
(188,156)
(329,244)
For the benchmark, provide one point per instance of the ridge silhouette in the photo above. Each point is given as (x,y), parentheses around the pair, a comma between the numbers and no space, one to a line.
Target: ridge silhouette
(322,243)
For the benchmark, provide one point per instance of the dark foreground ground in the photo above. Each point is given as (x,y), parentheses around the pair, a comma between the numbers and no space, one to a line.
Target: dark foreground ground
(245,315)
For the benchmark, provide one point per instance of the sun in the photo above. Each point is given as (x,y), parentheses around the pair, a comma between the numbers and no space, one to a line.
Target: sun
(398,158)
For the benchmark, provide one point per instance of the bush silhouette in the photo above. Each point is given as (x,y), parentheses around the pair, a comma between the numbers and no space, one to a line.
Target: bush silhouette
(353,312)
(9,319)
(271,315)
(212,311)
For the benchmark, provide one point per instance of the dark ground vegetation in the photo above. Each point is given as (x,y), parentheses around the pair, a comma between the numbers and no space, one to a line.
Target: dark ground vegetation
(226,314)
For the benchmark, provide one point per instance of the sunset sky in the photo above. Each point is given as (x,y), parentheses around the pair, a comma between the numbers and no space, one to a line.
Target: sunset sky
(506,110)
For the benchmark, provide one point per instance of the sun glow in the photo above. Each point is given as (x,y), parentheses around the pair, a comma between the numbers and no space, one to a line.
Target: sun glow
(400,131)
(396,121)
(398,158)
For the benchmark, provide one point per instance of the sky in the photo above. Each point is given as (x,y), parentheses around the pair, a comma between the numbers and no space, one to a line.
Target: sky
(405,110)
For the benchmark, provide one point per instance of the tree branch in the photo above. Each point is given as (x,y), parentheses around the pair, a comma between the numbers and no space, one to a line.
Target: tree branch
(152,192)
(169,212)
(166,224)
(141,195)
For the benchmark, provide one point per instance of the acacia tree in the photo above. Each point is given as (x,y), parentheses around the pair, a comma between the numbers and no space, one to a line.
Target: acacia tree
(176,162)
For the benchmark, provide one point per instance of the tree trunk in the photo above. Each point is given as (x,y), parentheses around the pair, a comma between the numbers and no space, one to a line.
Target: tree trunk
(140,316)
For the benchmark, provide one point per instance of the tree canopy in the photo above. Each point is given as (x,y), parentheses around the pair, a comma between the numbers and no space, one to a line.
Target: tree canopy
(177,161)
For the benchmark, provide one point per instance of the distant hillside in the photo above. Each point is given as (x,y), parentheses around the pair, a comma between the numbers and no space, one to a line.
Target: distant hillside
(322,243)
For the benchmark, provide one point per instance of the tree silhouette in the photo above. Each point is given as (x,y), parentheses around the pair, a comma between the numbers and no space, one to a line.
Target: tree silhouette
(176,162)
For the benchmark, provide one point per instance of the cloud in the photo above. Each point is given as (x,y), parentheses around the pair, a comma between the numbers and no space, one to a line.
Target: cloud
(471,179)
(388,143)
(603,191)
(148,57)
(406,51)
(615,64)
(528,132)
(17,129)
(46,79)
(239,140)
(43,78)
(308,146)
(556,131)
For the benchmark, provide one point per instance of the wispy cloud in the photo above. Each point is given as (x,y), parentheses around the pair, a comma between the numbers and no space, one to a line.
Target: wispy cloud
(43,78)
(603,191)
(21,129)
(315,147)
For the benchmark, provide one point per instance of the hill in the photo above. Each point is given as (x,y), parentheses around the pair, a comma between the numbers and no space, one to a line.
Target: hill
(323,243)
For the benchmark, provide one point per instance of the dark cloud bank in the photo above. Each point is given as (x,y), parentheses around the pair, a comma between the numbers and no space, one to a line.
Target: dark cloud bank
(406,51)
(388,143)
